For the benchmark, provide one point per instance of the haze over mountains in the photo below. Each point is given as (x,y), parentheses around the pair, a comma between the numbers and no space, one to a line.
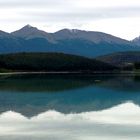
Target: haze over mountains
(77,42)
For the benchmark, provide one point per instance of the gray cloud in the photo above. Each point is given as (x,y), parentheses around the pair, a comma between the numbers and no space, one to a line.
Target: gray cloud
(65,10)
(102,15)
(79,14)
(32,3)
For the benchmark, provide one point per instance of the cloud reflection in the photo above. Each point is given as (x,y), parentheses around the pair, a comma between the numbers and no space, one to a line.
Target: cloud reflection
(120,122)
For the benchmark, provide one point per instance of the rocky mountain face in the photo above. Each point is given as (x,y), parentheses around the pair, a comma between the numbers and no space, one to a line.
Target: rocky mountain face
(77,42)
(136,41)
(29,32)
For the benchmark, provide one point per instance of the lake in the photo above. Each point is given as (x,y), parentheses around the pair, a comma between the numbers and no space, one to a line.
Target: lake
(69,107)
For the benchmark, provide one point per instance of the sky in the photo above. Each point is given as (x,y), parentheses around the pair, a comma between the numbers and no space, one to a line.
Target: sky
(117,17)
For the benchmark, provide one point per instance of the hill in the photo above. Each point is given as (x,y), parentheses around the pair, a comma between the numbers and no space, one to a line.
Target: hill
(121,58)
(51,62)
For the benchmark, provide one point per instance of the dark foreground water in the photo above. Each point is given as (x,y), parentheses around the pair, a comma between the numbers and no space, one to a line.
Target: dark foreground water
(72,107)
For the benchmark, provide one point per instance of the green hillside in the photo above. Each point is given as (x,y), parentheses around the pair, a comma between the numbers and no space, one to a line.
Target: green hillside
(51,62)
(137,66)
(121,58)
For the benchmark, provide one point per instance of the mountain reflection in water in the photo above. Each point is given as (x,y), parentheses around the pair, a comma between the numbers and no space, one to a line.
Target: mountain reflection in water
(120,122)
(31,95)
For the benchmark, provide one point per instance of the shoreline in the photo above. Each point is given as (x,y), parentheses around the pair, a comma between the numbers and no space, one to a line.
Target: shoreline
(68,72)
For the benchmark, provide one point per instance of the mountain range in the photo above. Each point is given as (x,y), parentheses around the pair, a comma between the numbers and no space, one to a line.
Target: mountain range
(77,42)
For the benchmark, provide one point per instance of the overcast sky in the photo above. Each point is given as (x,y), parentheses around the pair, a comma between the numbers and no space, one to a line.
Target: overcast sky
(118,17)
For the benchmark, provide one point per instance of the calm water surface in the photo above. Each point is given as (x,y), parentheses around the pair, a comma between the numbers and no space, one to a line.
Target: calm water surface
(72,107)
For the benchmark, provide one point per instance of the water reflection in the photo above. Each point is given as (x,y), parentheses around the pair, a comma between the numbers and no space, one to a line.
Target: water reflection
(56,83)
(33,94)
(120,122)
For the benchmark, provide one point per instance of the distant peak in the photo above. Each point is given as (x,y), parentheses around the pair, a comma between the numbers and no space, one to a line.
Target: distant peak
(66,30)
(28,26)
(74,30)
